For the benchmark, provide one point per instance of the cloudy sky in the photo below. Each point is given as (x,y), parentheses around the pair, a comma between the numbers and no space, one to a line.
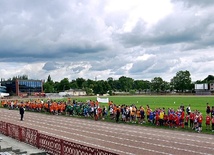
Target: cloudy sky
(141,39)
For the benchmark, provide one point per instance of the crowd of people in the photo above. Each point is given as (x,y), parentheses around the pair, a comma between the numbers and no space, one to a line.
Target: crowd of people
(172,118)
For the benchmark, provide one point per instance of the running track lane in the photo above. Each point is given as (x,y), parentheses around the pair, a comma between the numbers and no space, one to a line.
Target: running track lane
(118,138)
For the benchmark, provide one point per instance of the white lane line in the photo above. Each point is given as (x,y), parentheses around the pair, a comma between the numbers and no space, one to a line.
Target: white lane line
(159,130)
(137,128)
(138,141)
(149,133)
(136,131)
(80,123)
(127,139)
(159,145)
(140,132)
(134,136)
(126,126)
(79,142)
(108,135)
(134,147)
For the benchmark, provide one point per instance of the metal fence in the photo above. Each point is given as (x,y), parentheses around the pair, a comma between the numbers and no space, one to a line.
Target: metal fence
(51,145)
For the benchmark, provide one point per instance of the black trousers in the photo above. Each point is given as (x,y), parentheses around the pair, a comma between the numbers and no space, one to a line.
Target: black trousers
(22,115)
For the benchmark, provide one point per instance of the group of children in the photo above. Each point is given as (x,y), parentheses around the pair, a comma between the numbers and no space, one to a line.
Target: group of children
(183,118)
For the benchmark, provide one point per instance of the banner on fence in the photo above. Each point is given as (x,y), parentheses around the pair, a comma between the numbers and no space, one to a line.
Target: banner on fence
(102,100)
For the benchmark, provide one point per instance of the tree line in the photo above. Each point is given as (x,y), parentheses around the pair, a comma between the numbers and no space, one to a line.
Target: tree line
(181,82)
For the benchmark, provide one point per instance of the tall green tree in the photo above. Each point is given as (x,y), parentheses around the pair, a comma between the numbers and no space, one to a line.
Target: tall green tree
(126,83)
(209,79)
(156,84)
(138,85)
(48,86)
(73,84)
(80,82)
(110,81)
(182,81)
(64,84)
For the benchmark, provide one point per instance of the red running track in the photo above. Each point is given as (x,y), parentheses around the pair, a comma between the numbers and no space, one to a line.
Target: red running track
(117,138)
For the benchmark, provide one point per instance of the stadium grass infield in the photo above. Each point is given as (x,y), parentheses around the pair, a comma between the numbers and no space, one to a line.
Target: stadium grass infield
(196,103)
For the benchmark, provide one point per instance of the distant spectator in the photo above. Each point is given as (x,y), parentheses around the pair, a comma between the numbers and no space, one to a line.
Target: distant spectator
(212,111)
(188,110)
(208,109)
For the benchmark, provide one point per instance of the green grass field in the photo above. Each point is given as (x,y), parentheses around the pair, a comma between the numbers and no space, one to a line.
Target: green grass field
(196,103)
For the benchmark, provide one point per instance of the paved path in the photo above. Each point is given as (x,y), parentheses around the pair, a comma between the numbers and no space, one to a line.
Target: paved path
(118,138)
(12,145)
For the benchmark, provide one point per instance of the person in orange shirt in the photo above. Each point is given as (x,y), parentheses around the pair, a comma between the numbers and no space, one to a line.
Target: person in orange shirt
(133,114)
(99,112)
(62,107)
(109,104)
(114,111)
(138,116)
(4,104)
(182,119)
(55,108)
(34,106)
(59,106)
(46,106)
(148,112)
(92,103)
(39,106)
(96,103)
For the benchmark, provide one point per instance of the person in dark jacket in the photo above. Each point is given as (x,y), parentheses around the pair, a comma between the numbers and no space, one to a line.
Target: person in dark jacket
(21,111)
(117,114)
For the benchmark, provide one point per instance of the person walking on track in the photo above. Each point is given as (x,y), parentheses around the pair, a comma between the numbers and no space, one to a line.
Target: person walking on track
(21,111)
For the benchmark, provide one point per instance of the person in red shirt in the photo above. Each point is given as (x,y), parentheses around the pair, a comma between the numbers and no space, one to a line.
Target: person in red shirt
(186,121)
(182,119)
(176,121)
(191,118)
(157,118)
(166,118)
(171,120)
(212,120)
(208,119)
(200,119)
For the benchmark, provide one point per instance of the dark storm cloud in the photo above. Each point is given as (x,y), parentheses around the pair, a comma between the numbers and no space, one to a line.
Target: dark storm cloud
(42,30)
(191,3)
